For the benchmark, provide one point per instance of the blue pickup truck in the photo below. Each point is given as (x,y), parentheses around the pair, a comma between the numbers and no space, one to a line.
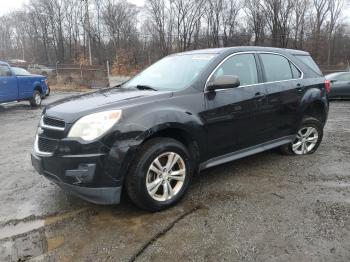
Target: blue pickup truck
(17,84)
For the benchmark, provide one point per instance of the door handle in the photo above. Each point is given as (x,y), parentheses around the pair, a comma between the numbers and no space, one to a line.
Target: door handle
(259,96)
(300,88)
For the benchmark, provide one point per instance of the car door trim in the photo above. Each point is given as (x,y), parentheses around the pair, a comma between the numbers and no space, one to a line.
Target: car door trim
(253,53)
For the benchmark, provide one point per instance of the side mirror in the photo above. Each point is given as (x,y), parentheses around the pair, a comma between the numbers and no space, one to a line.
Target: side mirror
(8,73)
(333,81)
(224,82)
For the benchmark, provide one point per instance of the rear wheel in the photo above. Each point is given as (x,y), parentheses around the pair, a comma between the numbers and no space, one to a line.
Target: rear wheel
(308,138)
(160,174)
(48,92)
(35,101)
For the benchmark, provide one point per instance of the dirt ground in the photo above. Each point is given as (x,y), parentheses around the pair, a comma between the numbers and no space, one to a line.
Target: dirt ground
(267,207)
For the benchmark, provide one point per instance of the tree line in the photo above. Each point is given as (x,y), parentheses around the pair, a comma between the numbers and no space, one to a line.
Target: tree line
(68,31)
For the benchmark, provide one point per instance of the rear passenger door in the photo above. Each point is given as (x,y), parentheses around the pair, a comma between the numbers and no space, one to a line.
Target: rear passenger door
(284,84)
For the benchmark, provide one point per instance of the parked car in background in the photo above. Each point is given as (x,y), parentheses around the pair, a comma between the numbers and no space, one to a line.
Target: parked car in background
(17,84)
(40,70)
(185,113)
(17,61)
(340,84)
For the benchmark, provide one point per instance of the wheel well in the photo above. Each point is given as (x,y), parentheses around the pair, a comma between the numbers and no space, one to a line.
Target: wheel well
(38,88)
(183,137)
(317,110)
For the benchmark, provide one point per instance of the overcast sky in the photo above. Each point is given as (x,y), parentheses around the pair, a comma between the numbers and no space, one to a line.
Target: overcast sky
(10,5)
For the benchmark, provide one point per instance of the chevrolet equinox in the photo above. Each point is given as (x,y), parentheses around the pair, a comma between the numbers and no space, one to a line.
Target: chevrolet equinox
(185,113)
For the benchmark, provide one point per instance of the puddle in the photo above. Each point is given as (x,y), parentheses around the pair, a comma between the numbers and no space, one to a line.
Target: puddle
(20,228)
(25,240)
(23,248)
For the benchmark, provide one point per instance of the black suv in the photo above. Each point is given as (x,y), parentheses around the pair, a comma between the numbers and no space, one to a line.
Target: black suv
(185,113)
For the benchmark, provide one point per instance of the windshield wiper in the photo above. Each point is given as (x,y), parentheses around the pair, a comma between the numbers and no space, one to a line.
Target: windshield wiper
(145,87)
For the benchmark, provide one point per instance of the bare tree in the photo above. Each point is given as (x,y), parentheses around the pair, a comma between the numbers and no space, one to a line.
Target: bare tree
(119,18)
(335,8)
(187,15)
(256,20)
(159,21)
(300,10)
(46,31)
(321,12)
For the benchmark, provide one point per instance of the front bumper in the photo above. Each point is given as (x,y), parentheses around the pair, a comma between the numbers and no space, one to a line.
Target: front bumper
(82,175)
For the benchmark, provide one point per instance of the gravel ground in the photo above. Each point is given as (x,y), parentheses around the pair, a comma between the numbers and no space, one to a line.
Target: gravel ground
(266,207)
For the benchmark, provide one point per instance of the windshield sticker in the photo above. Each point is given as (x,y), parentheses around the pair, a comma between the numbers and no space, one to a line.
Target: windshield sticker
(202,57)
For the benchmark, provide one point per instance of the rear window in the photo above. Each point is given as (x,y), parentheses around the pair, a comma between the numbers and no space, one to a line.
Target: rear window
(307,60)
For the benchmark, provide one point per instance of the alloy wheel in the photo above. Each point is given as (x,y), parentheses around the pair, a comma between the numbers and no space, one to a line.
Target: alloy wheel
(305,141)
(165,176)
(37,99)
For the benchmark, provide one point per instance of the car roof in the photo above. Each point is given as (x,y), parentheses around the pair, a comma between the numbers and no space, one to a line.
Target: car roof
(244,49)
(3,63)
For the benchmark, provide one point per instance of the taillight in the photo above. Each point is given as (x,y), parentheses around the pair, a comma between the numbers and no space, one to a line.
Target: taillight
(327,86)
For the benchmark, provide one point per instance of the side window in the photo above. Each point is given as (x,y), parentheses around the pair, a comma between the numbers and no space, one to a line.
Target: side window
(347,77)
(243,66)
(5,71)
(277,68)
(344,77)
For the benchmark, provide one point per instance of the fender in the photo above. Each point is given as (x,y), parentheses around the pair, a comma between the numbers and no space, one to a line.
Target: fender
(128,137)
(37,85)
(142,126)
(314,95)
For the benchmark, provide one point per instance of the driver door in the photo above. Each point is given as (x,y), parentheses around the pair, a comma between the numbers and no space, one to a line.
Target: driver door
(229,112)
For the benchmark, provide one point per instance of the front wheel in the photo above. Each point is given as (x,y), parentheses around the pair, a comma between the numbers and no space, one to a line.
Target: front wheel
(35,101)
(160,174)
(308,138)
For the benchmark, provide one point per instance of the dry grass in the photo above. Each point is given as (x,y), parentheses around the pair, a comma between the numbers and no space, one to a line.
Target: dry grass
(70,87)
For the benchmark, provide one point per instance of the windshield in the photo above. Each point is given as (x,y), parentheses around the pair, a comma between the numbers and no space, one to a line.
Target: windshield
(171,73)
(20,71)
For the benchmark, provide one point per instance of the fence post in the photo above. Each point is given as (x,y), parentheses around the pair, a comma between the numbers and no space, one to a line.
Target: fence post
(81,73)
(57,69)
(107,64)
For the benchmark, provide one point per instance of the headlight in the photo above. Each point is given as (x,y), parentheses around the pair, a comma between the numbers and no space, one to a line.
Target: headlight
(92,126)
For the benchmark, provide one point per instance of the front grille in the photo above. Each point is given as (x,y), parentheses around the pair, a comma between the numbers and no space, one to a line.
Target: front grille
(54,122)
(47,145)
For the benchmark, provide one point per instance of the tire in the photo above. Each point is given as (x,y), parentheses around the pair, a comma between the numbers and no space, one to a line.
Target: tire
(308,139)
(36,99)
(147,187)
(48,93)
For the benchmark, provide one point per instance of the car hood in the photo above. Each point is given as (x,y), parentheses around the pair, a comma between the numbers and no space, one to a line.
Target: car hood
(72,108)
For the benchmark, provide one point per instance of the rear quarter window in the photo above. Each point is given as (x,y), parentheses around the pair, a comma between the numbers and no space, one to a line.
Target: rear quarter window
(278,68)
(309,62)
